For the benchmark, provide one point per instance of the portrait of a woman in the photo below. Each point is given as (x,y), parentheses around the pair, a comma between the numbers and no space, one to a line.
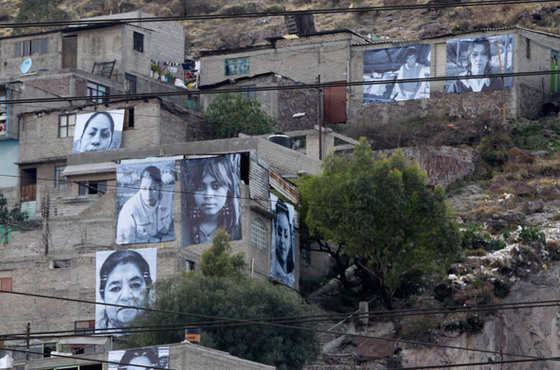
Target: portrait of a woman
(98,131)
(210,198)
(282,259)
(123,277)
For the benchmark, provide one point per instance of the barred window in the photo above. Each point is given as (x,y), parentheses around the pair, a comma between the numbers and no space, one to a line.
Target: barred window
(259,236)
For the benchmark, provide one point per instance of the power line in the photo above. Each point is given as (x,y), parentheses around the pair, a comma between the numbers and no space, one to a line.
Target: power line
(252,322)
(219,16)
(301,86)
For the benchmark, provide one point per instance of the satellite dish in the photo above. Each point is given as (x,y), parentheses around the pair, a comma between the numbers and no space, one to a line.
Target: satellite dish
(25,66)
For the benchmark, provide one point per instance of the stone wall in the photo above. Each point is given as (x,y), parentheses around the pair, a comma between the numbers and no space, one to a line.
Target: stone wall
(443,165)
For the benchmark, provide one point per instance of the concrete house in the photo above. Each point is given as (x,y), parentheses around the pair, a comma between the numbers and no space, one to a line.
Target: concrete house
(89,61)
(78,214)
(373,66)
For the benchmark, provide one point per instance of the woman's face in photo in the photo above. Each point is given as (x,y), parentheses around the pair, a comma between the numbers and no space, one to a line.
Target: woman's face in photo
(149,191)
(97,135)
(283,237)
(210,195)
(140,360)
(125,286)
(479,59)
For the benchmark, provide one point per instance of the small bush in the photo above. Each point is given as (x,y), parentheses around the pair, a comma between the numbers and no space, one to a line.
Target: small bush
(475,253)
(473,238)
(501,288)
(497,244)
(531,234)
(274,9)
(469,323)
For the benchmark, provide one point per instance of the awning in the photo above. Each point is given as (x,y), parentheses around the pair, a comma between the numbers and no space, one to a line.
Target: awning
(89,169)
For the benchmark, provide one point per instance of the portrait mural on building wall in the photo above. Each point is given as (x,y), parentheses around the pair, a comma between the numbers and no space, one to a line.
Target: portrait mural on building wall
(98,131)
(122,278)
(479,56)
(145,202)
(140,358)
(210,198)
(282,251)
(411,62)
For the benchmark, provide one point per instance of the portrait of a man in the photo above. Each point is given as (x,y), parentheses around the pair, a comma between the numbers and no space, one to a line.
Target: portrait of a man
(122,278)
(391,65)
(139,359)
(98,131)
(479,57)
(282,254)
(145,202)
(211,198)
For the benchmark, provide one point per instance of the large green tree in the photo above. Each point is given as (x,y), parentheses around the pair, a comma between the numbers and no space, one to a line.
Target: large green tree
(238,299)
(384,215)
(38,11)
(231,114)
(223,292)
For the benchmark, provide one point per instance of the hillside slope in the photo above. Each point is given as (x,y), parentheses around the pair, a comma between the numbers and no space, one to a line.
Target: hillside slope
(216,34)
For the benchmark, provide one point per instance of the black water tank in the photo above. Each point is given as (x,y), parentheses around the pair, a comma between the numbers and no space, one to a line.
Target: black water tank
(281,139)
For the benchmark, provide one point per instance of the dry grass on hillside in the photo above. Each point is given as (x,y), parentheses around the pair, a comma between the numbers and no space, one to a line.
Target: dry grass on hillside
(235,33)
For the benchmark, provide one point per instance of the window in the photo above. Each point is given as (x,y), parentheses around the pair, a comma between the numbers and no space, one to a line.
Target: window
(31,47)
(138,39)
(192,102)
(238,66)
(528,48)
(189,265)
(84,327)
(62,264)
(59,181)
(130,83)
(92,187)
(97,93)
(247,93)
(66,125)
(128,123)
(259,236)
(6,284)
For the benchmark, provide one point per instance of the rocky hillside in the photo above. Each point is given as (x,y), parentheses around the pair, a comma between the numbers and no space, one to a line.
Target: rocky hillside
(215,34)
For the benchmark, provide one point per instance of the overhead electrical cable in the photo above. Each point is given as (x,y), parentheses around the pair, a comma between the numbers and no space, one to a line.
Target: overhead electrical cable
(365,9)
(251,322)
(303,86)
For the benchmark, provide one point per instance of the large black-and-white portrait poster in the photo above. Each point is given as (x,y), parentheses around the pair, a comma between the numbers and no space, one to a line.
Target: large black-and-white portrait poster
(210,198)
(476,57)
(411,62)
(122,277)
(98,131)
(145,202)
(282,251)
(140,358)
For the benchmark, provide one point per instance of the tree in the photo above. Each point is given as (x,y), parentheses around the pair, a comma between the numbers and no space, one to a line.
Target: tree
(231,114)
(38,11)
(237,299)
(13,217)
(384,215)
(218,261)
